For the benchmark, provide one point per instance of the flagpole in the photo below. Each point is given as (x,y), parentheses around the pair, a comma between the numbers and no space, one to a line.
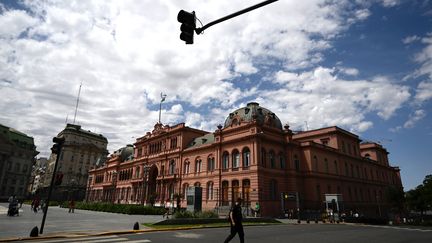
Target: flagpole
(76,107)
(163,96)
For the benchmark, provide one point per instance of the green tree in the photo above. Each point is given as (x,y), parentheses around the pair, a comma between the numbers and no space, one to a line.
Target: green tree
(420,198)
(396,198)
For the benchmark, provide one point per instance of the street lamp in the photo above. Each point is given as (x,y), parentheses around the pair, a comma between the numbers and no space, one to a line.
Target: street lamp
(114,182)
(146,169)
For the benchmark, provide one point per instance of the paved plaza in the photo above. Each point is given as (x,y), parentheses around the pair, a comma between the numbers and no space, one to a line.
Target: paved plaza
(59,221)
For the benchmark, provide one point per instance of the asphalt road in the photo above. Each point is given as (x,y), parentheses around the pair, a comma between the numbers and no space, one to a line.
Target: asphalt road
(312,233)
(82,222)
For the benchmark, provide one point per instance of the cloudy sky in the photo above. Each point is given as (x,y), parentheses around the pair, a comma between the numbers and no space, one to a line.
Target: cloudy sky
(364,65)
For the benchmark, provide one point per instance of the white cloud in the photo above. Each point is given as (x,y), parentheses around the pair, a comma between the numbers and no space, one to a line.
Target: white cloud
(323,99)
(390,3)
(414,118)
(349,71)
(410,39)
(423,92)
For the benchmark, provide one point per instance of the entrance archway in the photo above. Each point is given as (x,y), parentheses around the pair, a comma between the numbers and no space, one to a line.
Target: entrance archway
(151,183)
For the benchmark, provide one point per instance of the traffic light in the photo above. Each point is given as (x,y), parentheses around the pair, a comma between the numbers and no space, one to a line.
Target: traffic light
(188,26)
(58,178)
(58,144)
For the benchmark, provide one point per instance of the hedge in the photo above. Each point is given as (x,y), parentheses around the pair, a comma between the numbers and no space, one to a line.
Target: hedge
(119,208)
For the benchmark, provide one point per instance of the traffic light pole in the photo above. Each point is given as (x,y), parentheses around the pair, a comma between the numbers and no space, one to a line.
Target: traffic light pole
(50,191)
(199,30)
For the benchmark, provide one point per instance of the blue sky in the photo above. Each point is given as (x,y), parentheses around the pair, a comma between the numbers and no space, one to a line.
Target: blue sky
(363,65)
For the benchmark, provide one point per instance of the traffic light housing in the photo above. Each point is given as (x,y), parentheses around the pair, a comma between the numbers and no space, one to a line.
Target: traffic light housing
(58,144)
(188,26)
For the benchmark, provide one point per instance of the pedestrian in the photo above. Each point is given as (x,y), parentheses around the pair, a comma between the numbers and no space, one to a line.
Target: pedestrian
(35,203)
(235,219)
(72,206)
(257,209)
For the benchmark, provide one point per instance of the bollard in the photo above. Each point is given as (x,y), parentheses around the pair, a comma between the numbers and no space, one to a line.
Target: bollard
(136,226)
(34,232)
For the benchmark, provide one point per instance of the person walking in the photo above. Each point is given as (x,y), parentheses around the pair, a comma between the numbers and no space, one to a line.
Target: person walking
(257,209)
(72,206)
(35,203)
(235,218)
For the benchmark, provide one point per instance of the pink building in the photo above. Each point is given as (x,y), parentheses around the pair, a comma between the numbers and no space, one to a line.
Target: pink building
(252,156)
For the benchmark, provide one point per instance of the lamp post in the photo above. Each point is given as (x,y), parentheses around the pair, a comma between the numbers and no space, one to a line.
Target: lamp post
(114,180)
(146,169)
(379,206)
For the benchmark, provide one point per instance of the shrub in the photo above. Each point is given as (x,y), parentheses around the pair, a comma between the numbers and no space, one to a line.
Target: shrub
(197,215)
(120,208)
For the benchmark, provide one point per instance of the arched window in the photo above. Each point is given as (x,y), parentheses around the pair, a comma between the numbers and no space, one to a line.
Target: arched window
(282,161)
(296,163)
(210,163)
(272,160)
(315,163)
(263,157)
(186,167)
(336,167)
(273,189)
(367,156)
(171,167)
(235,190)
(197,184)
(246,157)
(137,172)
(197,165)
(246,191)
(210,190)
(225,187)
(225,160)
(326,165)
(185,187)
(235,159)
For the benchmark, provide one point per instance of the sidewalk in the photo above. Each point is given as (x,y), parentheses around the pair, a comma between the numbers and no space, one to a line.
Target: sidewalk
(60,222)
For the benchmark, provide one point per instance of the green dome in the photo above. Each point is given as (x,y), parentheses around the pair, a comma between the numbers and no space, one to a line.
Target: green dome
(253,112)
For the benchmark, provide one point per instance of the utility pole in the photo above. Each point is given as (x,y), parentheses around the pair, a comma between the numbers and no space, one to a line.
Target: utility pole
(56,149)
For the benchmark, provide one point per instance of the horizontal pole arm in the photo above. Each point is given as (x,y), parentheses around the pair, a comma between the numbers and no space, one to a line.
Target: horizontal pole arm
(199,30)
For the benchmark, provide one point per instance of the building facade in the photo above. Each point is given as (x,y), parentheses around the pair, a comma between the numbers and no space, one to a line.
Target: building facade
(17,156)
(253,157)
(81,150)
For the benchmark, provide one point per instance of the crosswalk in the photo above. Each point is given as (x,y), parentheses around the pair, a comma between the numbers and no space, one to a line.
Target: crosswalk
(97,239)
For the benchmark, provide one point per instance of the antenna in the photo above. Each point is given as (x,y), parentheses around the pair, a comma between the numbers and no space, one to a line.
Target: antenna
(67,116)
(307,127)
(76,107)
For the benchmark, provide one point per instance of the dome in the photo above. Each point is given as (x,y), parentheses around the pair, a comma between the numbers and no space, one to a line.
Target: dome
(125,153)
(253,112)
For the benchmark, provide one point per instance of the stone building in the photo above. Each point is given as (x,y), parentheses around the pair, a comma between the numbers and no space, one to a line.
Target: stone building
(82,149)
(17,155)
(38,171)
(254,157)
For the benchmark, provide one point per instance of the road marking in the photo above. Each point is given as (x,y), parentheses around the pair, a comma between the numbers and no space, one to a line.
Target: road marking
(188,235)
(401,228)
(137,241)
(80,239)
(96,239)
(107,240)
